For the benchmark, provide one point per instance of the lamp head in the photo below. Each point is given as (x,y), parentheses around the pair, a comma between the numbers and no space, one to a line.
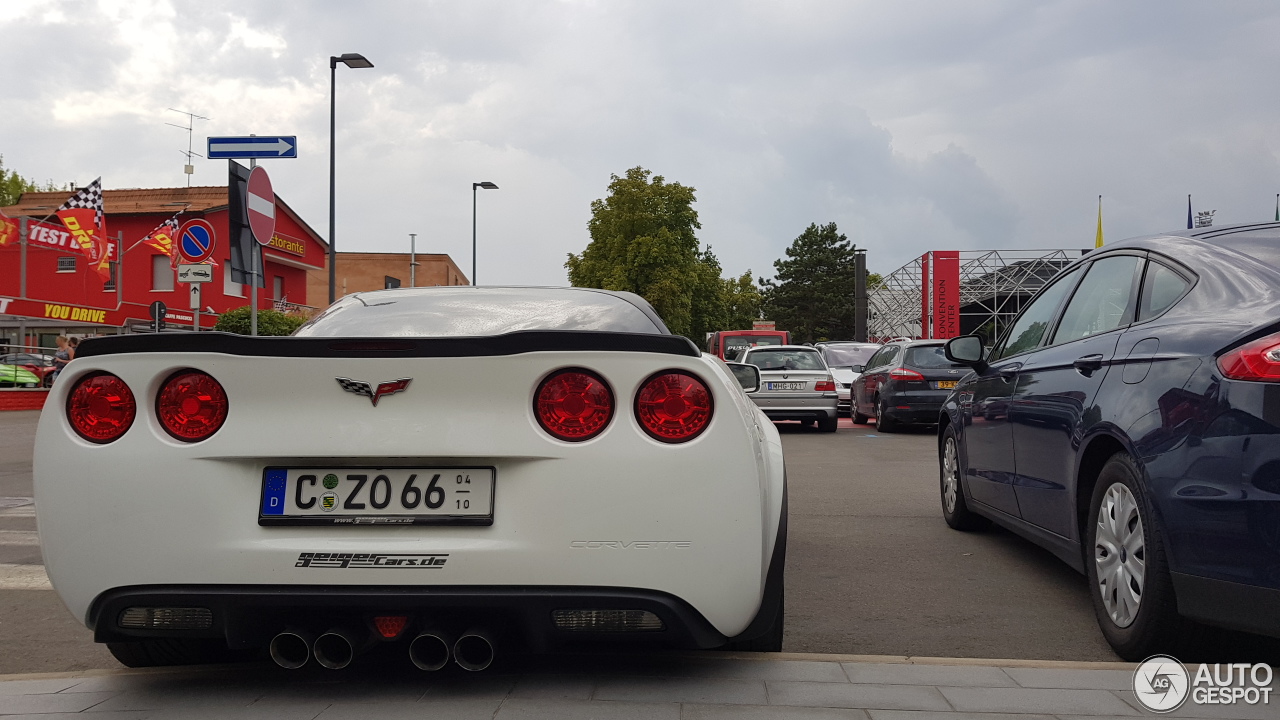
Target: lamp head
(486,185)
(351,60)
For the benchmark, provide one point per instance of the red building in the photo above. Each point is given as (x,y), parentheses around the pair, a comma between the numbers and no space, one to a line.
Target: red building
(47,287)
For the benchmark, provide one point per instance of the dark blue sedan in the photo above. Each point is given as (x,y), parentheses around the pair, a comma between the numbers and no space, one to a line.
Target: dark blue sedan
(1129,422)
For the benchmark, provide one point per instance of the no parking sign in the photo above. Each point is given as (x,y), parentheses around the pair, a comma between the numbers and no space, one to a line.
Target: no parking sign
(196,240)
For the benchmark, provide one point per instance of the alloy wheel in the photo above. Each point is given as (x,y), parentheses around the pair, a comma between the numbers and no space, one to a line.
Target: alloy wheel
(950,475)
(1120,554)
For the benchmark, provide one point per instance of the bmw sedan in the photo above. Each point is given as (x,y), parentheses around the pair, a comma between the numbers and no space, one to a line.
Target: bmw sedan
(795,384)
(1129,422)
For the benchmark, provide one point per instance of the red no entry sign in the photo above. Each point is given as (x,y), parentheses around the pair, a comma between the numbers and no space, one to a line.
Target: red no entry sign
(262,206)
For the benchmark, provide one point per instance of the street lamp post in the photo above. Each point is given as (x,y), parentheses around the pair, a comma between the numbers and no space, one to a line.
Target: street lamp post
(351,60)
(487,186)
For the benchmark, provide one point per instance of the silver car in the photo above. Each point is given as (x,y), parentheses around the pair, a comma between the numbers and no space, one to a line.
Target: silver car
(795,384)
(846,359)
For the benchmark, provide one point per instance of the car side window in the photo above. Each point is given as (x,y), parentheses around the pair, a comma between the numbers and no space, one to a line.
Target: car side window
(1101,301)
(1161,288)
(874,360)
(1029,329)
(890,354)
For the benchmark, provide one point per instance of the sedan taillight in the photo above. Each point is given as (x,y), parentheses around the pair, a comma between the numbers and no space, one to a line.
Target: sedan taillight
(1258,360)
(827,385)
(673,406)
(906,374)
(100,407)
(191,405)
(573,405)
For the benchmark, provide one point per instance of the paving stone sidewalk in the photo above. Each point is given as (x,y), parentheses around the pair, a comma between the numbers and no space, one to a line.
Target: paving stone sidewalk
(705,686)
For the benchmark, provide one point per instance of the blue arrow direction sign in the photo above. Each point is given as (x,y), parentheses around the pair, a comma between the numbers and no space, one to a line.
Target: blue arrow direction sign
(261,146)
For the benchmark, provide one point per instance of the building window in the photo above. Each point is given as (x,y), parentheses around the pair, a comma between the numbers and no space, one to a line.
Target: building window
(230,286)
(389,282)
(161,274)
(67,264)
(110,284)
(277,288)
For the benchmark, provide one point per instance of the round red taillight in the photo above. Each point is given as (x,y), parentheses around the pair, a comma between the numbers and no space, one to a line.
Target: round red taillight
(673,406)
(191,405)
(100,407)
(573,404)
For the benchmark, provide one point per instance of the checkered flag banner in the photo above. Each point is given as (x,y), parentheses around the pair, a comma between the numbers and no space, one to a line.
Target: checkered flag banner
(87,198)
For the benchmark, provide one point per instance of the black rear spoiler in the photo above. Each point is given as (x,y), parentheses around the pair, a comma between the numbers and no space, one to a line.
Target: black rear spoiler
(515,343)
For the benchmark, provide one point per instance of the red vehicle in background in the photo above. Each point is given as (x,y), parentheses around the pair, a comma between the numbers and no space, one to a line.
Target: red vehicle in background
(726,344)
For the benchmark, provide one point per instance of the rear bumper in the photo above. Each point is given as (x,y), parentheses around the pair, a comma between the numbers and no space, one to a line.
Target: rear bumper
(1227,604)
(915,406)
(806,407)
(248,616)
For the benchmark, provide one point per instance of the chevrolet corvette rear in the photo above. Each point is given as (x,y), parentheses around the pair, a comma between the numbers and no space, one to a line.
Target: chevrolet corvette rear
(559,474)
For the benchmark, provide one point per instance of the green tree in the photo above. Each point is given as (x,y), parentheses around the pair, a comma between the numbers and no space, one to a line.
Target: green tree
(643,241)
(813,293)
(743,302)
(270,322)
(12,185)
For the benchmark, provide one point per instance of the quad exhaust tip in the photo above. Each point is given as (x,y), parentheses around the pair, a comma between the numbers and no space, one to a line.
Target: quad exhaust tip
(474,650)
(429,651)
(291,649)
(335,649)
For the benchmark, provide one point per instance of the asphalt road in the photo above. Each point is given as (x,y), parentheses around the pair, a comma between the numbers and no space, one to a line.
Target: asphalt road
(871,567)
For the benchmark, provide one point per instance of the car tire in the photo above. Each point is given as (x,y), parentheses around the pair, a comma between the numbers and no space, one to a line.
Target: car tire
(884,423)
(1132,534)
(828,424)
(858,418)
(156,652)
(954,508)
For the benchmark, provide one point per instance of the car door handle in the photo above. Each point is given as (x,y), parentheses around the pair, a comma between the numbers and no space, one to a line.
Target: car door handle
(1088,364)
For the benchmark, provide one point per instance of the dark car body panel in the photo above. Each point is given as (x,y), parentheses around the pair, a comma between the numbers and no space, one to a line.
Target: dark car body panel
(1209,446)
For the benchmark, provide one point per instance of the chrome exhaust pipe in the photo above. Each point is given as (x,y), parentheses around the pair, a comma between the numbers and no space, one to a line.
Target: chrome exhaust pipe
(336,648)
(430,650)
(291,649)
(474,650)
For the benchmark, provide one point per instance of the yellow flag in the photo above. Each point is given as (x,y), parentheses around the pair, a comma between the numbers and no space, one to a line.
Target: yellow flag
(1098,243)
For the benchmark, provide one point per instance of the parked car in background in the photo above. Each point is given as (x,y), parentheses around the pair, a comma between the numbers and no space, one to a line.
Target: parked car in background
(17,376)
(795,384)
(905,382)
(39,365)
(1129,422)
(725,344)
(846,359)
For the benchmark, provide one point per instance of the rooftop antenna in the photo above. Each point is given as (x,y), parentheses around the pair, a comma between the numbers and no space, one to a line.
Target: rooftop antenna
(190,167)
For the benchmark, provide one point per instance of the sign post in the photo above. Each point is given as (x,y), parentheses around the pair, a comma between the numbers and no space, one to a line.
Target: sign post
(195,275)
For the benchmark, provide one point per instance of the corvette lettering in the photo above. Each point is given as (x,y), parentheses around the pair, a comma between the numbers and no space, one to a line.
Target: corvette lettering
(629,544)
(394,561)
(360,387)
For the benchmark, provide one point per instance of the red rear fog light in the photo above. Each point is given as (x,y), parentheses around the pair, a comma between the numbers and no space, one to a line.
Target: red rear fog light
(101,407)
(673,406)
(390,626)
(191,405)
(573,404)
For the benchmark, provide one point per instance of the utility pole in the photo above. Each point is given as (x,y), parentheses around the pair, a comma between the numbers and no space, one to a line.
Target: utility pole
(413,260)
(860,295)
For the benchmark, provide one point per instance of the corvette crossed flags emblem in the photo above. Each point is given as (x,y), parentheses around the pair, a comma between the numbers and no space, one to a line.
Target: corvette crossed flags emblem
(359,387)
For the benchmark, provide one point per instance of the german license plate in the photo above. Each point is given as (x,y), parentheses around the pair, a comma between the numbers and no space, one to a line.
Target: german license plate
(946,384)
(784,386)
(377,496)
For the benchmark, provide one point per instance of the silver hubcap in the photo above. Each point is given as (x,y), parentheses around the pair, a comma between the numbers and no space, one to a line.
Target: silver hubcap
(1120,552)
(950,475)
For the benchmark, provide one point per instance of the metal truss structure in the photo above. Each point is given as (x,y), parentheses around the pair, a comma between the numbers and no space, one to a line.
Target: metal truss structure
(994,286)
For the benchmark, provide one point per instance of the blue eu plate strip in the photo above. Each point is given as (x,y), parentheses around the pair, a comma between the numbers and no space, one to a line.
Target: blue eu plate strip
(273,492)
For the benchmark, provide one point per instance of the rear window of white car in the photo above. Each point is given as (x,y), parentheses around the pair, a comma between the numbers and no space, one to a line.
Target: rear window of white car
(785,359)
(471,312)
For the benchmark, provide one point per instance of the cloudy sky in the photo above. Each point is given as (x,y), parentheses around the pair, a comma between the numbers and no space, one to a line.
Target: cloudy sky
(913,125)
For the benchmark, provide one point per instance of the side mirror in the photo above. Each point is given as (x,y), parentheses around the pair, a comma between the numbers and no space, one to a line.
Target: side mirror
(857,368)
(748,376)
(966,350)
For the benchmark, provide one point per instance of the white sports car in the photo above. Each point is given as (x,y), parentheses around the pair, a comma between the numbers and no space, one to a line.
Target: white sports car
(455,469)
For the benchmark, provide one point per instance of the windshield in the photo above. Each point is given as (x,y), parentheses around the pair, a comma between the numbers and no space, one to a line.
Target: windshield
(840,356)
(785,359)
(469,311)
(927,357)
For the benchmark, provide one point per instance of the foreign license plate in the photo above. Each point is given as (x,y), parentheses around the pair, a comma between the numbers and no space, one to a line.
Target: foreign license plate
(784,386)
(377,496)
(946,384)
